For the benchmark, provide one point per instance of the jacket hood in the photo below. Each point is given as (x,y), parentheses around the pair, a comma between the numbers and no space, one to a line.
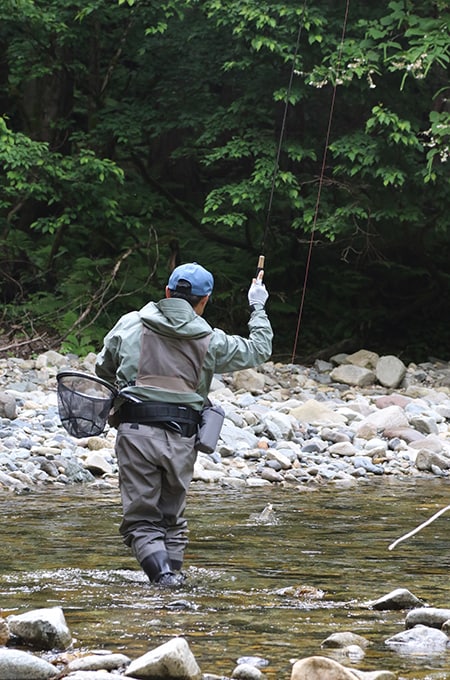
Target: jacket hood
(174,317)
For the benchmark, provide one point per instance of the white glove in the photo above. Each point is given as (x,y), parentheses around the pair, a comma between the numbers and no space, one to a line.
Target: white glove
(257,293)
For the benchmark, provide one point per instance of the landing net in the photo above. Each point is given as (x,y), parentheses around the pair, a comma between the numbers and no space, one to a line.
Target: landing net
(84,403)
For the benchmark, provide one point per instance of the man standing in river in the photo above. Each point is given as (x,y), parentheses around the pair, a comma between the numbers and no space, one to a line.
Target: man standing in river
(163,358)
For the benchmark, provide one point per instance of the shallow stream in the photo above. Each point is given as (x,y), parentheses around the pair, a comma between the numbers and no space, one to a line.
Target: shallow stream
(273,589)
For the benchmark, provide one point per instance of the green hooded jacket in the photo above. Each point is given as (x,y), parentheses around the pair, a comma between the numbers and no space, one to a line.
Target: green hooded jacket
(118,361)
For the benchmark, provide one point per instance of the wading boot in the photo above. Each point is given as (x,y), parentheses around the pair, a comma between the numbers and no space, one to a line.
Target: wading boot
(176,567)
(159,570)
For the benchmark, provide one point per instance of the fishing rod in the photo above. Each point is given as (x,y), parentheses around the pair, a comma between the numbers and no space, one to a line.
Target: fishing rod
(261,259)
(419,528)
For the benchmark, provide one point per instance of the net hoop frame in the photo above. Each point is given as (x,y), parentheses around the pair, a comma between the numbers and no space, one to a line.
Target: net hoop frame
(87,376)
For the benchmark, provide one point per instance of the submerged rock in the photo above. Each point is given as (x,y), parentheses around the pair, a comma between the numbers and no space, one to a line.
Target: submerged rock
(428,616)
(419,640)
(401,598)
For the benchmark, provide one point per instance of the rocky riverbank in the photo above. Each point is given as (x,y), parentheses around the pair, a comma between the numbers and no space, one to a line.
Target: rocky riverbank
(351,418)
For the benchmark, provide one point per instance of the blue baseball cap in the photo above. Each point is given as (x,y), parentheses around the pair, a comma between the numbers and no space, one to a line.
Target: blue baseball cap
(201,280)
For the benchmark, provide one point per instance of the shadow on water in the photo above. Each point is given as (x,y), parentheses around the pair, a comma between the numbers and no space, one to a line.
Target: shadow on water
(271,588)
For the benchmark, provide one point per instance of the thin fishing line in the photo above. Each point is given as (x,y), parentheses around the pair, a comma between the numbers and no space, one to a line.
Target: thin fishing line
(283,127)
(321,177)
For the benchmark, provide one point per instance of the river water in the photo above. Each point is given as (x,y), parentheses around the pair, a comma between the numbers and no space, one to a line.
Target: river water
(271,589)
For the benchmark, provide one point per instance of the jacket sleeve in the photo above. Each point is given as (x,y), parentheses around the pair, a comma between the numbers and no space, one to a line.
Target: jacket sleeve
(234,353)
(106,363)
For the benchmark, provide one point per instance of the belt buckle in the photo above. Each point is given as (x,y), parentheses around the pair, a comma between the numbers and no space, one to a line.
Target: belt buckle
(174,426)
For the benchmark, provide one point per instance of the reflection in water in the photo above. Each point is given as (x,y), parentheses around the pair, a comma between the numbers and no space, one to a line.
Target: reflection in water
(273,585)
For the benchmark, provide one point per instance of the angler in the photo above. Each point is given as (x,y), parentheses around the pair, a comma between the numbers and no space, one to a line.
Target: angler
(162,360)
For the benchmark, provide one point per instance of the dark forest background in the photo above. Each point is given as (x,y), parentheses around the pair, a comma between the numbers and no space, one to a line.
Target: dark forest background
(135,135)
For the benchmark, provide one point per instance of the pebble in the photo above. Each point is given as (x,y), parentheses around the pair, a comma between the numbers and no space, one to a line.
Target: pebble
(285,424)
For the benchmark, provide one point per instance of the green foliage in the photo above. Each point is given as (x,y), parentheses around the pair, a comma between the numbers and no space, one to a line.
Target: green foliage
(136,132)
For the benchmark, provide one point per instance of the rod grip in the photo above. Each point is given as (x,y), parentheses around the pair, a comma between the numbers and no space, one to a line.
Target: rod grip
(260,267)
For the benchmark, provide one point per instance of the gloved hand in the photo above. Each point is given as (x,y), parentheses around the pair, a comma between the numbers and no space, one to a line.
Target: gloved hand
(257,293)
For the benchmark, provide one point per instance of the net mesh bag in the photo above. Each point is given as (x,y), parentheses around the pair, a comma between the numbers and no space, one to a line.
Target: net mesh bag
(84,403)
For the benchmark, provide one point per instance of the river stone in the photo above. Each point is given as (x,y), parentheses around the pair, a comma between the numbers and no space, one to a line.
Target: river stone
(237,438)
(390,371)
(249,380)
(173,659)
(17,665)
(352,375)
(373,675)
(392,417)
(344,639)
(96,662)
(446,628)
(93,675)
(319,668)
(247,671)
(393,399)
(425,460)
(279,424)
(425,424)
(4,632)
(42,628)
(257,661)
(7,406)
(342,449)
(364,358)
(97,463)
(401,598)
(317,413)
(408,434)
(428,616)
(419,640)
(430,443)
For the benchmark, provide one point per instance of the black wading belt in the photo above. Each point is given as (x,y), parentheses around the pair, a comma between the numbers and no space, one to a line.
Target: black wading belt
(181,419)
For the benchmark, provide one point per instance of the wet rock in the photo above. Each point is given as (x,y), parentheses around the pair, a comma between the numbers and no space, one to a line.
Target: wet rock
(318,668)
(322,668)
(373,675)
(96,662)
(401,598)
(428,616)
(4,632)
(354,653)
(344,639)
(92,675)
(18,665)
(42,628)
(173,659)
(257,661)
(247,671)
(419,640)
